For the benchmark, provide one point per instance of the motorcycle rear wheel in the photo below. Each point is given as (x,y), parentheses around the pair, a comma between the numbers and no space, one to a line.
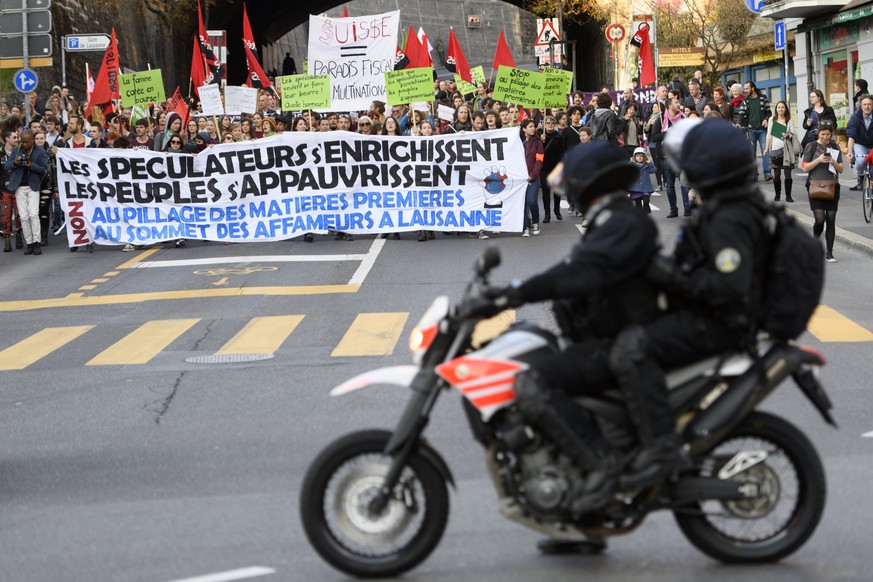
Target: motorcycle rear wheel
(778,521)
(346,533)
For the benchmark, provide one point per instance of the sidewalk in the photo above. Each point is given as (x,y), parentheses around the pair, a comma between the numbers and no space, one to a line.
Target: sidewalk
(852,230)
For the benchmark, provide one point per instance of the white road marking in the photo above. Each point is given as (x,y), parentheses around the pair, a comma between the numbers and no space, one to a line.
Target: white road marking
(230,575)
(581,228)
(867,435)
(248,259)
(367,262)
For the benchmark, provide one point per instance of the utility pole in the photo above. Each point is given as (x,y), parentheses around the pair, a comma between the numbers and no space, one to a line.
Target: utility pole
(25,58)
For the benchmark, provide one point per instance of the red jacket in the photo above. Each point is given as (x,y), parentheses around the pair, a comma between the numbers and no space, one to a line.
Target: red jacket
(533,155)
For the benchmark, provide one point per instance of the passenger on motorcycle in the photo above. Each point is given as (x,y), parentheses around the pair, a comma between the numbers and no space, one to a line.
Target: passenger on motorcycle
(602,285)
(714,281)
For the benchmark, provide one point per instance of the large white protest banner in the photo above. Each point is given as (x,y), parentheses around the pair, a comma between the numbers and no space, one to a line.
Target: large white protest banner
(355,52)
(293,183)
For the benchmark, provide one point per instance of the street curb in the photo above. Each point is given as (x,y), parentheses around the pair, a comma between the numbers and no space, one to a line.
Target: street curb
(844,236)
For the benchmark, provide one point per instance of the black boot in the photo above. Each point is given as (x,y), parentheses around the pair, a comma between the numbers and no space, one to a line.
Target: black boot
(44,232)
(655,463)
(7,246)
(36,249)
(778,192)
(547,217)
(788,184)
(19,242)
(28,250)
(646,206)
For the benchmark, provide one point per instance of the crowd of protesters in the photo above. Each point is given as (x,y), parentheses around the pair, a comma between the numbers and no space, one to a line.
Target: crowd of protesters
(548,134)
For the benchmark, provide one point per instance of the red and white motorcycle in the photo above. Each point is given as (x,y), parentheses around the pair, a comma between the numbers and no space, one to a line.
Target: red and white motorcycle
(375,503)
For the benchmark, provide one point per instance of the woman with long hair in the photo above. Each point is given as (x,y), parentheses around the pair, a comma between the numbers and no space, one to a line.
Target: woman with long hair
(246,128)
(533,155)
(817,112)
(224,124)
(258,125)
(390,127)
(299,124)
(818,162)
(780,161)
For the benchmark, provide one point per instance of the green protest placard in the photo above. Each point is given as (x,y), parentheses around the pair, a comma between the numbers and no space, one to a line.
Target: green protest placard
(557,85)
(302,92)
(464,87)
(141,88)
(524,88)
(478,74)
(409,85)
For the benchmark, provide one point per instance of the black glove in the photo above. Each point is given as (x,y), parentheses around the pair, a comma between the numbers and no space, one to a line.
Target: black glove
(663,272)
(505,297)
(480,307)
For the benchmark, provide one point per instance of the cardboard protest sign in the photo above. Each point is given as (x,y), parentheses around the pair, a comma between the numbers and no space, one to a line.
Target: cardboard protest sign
(293,183)
(445,112)
(524,88)
(463,86)
(557,85)
(239,100)
(210,100)
(142,88)
(478,74)
(408,85)
(356,52)
(303,92)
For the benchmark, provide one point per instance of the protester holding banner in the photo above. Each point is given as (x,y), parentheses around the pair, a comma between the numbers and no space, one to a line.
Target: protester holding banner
(173,128)
(533,156)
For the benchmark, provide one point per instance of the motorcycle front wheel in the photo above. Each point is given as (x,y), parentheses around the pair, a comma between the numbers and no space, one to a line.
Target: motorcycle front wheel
(338,515)
(790,495)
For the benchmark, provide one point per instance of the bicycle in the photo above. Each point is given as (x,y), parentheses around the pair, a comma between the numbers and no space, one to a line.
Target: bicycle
(867,195)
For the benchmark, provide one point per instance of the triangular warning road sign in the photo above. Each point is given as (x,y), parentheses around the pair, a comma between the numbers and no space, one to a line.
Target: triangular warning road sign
(546,34)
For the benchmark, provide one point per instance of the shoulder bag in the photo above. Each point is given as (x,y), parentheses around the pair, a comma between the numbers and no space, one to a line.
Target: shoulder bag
(822,189)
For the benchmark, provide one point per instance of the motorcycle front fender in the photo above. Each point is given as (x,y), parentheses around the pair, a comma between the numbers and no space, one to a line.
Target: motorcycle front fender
(394,375)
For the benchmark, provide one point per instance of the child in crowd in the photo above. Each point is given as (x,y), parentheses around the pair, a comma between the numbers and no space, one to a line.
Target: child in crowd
(642,190)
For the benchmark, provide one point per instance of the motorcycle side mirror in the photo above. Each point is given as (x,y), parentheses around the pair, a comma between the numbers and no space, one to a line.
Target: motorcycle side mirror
(488,261)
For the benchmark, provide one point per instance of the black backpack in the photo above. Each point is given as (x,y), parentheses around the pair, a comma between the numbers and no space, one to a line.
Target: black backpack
(793,275)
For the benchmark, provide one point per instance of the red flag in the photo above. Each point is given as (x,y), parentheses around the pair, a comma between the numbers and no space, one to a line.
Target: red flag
(214,71)
(257,77)
(424,58)
(249,42)
(106,85)
(413,48)
(89,82)
(345,11)
(177,103)
(647,64)
(456,62)
(502,56)
(198,75)
(522,114)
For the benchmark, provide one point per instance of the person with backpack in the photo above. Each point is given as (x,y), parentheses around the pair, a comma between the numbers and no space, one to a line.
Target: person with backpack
(713,281)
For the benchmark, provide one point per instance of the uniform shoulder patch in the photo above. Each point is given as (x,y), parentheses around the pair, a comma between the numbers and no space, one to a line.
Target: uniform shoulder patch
(603,217)
(727,260)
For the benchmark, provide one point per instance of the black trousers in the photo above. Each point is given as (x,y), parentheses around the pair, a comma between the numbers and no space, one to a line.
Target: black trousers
(668,342)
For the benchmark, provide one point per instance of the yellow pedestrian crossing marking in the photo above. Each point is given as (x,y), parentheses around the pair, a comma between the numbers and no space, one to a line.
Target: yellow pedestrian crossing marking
(39,345)
(143,344)
(829,325)
(372,334)
(490,328)
(262,335)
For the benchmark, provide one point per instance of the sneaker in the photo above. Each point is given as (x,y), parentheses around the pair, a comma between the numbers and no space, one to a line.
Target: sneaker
(181,242)
(536,229)
(525,232)
(831,259)
(584,223)
(483,235)
(128,248)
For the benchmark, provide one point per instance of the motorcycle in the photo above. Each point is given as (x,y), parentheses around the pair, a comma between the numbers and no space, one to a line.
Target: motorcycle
(375,503)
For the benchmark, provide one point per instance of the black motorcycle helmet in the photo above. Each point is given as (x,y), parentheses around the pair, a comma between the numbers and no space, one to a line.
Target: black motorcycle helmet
(596,168)
(714,155)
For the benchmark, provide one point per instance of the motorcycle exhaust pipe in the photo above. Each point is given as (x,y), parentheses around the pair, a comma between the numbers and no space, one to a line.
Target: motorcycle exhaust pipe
(727,404)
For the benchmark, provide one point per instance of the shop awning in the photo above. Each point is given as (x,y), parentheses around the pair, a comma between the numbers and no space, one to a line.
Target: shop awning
(849,13)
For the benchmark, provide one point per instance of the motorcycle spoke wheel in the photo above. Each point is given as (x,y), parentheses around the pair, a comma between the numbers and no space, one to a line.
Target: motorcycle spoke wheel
(344,525)
(791,492)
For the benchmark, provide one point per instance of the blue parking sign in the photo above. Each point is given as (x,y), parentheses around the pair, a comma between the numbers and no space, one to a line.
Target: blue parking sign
(779,34)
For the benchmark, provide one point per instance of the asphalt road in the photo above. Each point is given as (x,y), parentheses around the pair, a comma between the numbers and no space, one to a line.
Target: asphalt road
(168,470)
